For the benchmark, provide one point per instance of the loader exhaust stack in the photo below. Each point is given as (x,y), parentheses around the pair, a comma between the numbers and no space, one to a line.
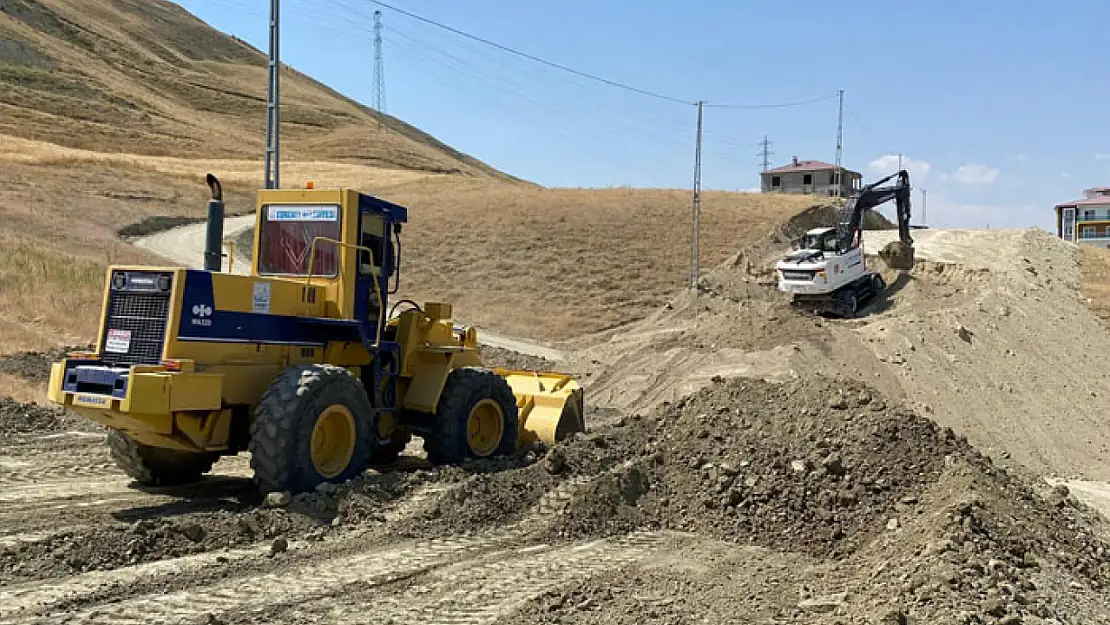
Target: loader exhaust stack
(213,248)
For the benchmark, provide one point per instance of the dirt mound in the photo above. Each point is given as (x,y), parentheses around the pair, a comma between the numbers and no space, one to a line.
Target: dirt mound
(943,338)
(217,513)
(808,466)
(35,366)
(891,515)
(508,359)
(19,418)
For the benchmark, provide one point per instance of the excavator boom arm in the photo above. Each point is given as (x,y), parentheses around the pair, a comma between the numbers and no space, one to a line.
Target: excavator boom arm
(874,194)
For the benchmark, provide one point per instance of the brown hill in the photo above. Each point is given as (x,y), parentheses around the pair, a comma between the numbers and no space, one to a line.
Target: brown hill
(146,77)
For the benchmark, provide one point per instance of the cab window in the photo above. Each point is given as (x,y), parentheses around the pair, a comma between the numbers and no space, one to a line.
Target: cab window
(371,230)
(287,233)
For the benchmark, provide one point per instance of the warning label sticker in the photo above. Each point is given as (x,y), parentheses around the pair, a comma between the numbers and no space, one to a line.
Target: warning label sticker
(118,341)
(261,303)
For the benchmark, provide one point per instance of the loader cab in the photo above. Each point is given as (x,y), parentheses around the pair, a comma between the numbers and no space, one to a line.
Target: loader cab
(295,237)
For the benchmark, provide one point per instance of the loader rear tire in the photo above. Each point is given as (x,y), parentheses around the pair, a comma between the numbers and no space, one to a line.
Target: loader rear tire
(314,424)
(156,466)
(476,418)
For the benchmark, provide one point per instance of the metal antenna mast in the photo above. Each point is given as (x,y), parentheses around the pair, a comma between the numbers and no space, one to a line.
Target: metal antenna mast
(379,66)
(839,142)
(695,250)
(273,96)
(766,153)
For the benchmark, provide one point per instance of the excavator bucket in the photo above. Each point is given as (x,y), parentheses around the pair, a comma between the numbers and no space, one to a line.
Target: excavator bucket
(897,255)
(550,405)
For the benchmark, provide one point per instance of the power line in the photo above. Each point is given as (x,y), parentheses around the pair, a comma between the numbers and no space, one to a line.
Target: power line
(531,57)
(771,106)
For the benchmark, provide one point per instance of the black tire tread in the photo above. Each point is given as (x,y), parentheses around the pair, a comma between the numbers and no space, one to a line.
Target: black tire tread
(156,466)
(447,442)
(278,417)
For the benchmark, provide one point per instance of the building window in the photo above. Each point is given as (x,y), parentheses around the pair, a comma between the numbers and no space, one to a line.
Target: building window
(775,181)
(1088,232)
(832,177)
(807,179)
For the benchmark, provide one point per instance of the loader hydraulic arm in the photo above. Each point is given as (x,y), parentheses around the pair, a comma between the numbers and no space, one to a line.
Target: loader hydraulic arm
(874,194)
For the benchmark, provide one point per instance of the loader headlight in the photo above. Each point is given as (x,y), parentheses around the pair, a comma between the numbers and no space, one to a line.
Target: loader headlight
(119,280)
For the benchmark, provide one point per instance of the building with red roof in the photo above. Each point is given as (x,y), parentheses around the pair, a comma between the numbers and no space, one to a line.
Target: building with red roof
(817,177)
(1087,220)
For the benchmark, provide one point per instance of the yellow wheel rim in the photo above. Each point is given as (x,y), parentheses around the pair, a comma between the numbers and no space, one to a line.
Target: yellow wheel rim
(484,427)
(333,440)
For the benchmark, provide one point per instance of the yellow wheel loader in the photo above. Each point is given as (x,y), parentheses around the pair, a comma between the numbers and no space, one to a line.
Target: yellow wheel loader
(302,363)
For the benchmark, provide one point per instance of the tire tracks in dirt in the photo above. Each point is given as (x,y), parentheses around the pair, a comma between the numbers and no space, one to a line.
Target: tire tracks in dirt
(448,575)
(455,572)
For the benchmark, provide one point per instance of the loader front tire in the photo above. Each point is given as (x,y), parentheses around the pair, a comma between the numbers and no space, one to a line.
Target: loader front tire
(476,418)
(314,424)
(156,466)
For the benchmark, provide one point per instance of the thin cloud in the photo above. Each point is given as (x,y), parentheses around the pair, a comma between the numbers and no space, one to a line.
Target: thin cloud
(888,164)
(975,173)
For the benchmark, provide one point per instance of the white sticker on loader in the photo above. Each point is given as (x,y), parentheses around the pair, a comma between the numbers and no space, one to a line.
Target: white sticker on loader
(118,341)
(261,298)
(304,212)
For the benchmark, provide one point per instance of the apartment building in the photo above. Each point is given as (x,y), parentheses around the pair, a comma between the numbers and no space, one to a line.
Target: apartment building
(1086,221)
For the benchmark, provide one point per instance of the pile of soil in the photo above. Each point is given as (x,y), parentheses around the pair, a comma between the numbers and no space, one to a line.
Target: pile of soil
(508,359)
(144,540)
(235,516)
(829,472)
(32,418)
(35,366)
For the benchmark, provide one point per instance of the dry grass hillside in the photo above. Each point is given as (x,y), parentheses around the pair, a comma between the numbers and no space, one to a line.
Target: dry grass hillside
(561,263)
(111,112)
(1094,268)
(146,77)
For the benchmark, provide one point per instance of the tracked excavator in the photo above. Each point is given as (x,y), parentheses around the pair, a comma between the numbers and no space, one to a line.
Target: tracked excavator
(826,272)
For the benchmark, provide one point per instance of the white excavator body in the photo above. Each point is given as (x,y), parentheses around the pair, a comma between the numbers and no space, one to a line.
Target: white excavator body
(826,270)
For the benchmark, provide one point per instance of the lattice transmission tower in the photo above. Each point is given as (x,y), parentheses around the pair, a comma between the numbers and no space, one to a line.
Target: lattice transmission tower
(379,65)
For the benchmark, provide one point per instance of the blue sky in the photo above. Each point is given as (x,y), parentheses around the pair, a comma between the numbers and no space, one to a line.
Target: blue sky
(999,108)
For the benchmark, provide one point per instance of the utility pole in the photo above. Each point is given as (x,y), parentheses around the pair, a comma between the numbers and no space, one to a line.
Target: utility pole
(899,162)
(695,251)
(379,66)
(839,141)
(923,221)
(765,153)
(273,96)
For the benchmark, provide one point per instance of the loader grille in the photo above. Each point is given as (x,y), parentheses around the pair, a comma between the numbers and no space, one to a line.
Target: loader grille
(138,312)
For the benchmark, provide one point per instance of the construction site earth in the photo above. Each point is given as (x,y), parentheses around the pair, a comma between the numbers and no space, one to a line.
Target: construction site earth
(940,458)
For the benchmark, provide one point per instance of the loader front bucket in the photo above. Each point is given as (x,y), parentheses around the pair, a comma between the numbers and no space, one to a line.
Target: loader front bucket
(550,405)
(897,255)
